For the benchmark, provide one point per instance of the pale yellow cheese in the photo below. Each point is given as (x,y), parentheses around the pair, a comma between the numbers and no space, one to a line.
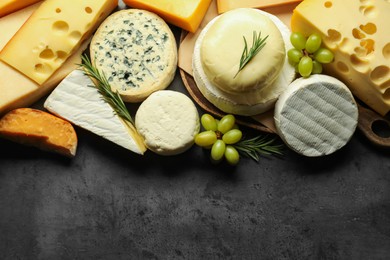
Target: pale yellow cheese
(223,45)
(52,34)
(227,5)
(358,34)
(9,6)
(16,89)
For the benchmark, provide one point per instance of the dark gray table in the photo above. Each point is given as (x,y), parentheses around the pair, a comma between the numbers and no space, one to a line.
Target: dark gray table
(108,203)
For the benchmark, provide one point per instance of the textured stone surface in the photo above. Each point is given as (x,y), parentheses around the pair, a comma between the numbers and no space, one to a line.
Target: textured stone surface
(108,203)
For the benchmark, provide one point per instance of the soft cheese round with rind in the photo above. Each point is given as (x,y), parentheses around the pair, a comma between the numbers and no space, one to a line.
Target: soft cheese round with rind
(168,121)
(137,52)
(316,116)
(246,103)
(223,44)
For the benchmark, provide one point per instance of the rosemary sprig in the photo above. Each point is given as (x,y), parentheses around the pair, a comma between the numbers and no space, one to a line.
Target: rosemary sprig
(257,44)
(259,145)
(104,88)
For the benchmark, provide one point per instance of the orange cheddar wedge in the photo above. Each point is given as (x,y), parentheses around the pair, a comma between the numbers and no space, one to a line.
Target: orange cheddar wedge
(10,6)
(186,14)
(226,5)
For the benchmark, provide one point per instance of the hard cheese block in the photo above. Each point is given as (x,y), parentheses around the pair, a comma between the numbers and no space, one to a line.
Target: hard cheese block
(16,89)
(9,6)
(39,129)
(52,34)
(227,5)
(357,32)
(186,14)
(316,116)
(78,101)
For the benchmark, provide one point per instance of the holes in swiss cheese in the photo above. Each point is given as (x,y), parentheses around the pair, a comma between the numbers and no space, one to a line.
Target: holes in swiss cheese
(328,4)
(60,27)
(88,10)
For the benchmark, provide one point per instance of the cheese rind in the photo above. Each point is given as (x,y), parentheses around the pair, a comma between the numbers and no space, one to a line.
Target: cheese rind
(168,121)
(77,100)
(137,52)
(39,129)
(246,103)
(186,14)
(357,34)
(52,34)
(9,6)
(316,116)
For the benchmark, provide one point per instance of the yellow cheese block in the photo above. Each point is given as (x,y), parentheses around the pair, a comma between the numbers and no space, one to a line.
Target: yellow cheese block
(186,14)
(357,32)
(39,129)
(52,34)
(226,5)
(9,6)
(16,89)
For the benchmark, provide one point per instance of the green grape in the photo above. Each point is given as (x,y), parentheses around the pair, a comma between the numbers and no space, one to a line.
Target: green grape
(218,150)
(294,55)
(231,154)
(317,67)
(226,123)
(323,55)
(298,40)
(208,122)
(232,136)
(305,66)
(206,138)
(313,43)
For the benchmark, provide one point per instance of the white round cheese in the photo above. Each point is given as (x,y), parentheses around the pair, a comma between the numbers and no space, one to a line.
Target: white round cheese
(168,121)
(246,103)
(223,44)
(137,52)
(316,116)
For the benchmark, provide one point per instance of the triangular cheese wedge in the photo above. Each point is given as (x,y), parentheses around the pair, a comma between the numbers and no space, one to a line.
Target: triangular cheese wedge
(77,100)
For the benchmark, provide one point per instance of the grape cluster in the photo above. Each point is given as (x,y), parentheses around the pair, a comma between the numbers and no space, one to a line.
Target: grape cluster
(307,55)
(219,136)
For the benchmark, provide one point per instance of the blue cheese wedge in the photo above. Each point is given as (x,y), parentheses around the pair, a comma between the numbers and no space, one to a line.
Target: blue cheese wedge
(137,52)
(316,116)
(78,101)
(168,121)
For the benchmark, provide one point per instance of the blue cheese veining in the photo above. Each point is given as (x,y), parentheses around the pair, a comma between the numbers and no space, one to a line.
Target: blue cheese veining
(137,52)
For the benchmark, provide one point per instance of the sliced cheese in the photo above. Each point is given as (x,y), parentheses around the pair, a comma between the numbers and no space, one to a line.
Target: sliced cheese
(16,89)
(358,35)
(245,103)
(78,101)
(10,6)
(223,44)
(39,129)
(316,116)
(186,14)
(52,34)
(168,121)
(227,5)
(137,52)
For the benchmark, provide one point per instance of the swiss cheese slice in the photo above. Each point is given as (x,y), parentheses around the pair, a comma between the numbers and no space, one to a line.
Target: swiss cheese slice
(316,116)
(77,100)
(358,34)
(137,52)
(9,6)
(246,103)
(52,34)
(39,129)
(186,14)
(16,89)
(168,121)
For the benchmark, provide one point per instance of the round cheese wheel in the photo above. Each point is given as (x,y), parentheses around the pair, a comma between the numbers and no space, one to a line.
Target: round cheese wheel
(168,121)
(223,44)
(316,116)
(136,51)
(245,103)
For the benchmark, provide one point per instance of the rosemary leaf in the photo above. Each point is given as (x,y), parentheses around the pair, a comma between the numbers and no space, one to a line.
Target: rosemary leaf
(257,146)
(257,44)
(104,88)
